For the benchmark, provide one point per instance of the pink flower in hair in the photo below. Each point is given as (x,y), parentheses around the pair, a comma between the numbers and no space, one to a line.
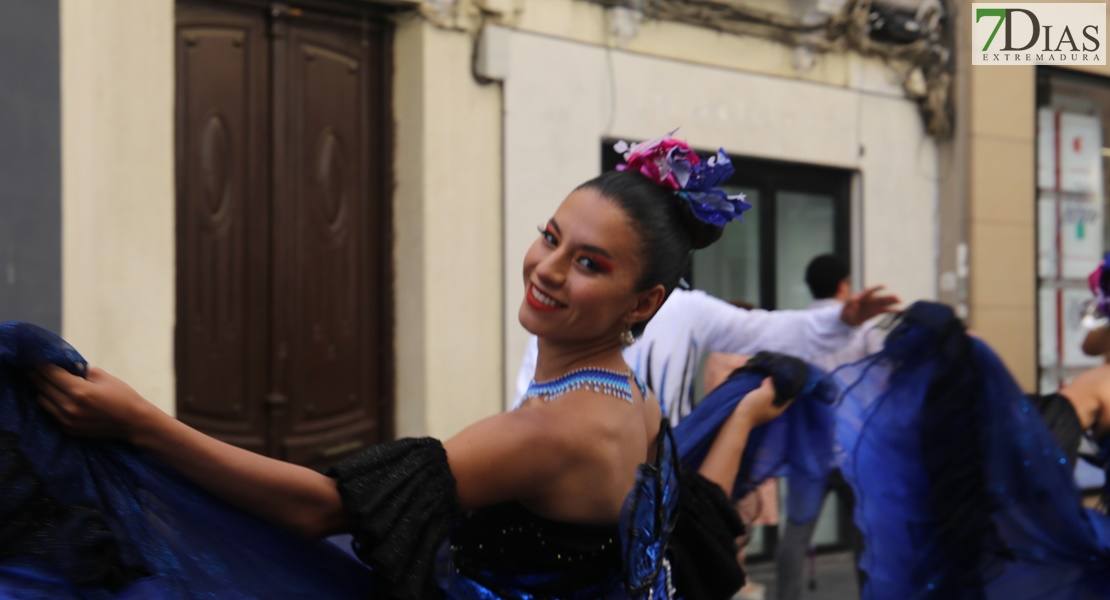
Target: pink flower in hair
(664,160)
(672,164)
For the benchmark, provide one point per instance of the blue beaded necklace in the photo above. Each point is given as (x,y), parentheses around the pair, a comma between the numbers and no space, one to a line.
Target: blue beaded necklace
(605,381)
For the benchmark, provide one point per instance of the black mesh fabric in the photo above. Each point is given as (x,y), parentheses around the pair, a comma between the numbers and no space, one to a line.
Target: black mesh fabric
(554,558)
(402,502)
(788,374)
(703,544)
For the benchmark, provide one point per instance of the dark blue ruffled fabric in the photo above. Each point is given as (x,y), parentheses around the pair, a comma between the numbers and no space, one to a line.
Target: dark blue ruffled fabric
(162,538)
(798,445)
(962,491)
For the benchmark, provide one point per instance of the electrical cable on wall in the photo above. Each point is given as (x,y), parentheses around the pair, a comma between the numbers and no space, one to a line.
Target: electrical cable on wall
(917,46)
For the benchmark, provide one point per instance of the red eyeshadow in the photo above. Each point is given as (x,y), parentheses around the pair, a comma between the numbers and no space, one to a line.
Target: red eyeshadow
(604,264)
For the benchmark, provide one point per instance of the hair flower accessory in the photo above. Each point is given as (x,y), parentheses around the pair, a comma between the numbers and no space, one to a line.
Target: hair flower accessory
(1097,313)
(672,164)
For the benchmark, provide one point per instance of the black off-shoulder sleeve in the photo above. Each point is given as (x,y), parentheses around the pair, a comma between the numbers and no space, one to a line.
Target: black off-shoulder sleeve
(402,502)
(703,544)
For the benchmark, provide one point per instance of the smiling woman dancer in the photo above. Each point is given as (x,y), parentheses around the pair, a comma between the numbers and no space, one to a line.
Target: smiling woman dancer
(575,495)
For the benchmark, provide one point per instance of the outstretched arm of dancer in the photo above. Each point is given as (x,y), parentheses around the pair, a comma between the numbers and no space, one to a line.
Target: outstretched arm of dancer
(723,460)
(104,406)
(509,456)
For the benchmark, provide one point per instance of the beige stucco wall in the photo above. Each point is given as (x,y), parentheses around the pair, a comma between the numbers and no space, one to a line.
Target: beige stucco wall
(447,219)
(589,23)
(1001,220)
(118,188)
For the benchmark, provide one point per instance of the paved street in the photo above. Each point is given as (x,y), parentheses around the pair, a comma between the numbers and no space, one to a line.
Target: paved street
(836,578)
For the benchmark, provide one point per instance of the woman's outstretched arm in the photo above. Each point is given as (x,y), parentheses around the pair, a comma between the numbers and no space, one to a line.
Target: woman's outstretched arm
(508,456)
(722,462)
(289,495)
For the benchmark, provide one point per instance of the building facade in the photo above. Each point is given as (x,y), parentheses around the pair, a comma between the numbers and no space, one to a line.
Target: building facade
(485,115)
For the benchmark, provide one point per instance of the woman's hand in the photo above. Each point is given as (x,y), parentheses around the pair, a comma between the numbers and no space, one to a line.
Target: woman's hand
(723,459)
(100,406)
(758,406)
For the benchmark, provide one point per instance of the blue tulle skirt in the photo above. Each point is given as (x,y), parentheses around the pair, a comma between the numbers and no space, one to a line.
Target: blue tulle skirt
(962,491)
(124,524)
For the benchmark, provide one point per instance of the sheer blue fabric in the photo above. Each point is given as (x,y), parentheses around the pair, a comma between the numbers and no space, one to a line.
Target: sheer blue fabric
(798,445)
(962,491)
(184,543)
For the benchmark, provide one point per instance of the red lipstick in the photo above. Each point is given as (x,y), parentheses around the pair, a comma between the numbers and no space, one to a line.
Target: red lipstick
(540,305)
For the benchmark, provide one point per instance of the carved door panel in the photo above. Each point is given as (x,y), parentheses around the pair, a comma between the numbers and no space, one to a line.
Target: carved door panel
(222,212)
(328,269)
(282,341)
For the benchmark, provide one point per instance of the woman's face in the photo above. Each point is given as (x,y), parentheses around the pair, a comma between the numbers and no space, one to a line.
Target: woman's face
(581,273)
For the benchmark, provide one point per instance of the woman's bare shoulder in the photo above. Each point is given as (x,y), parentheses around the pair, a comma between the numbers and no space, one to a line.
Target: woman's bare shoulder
(591,426)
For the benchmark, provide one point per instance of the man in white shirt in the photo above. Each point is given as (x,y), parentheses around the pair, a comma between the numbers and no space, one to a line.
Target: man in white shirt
(691,323)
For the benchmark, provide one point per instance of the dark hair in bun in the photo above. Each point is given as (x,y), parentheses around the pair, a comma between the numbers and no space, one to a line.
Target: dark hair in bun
(667,226)
(702,234)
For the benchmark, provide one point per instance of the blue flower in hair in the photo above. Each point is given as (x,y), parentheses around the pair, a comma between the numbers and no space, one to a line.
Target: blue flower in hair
(672,164)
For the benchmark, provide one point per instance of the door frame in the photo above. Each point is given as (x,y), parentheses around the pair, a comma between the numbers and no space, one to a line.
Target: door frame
(336,13)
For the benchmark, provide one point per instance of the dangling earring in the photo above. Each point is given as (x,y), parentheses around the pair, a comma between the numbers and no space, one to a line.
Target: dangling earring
(627,338)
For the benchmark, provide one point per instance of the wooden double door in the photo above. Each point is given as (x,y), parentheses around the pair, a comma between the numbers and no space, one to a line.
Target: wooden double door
(283,344)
